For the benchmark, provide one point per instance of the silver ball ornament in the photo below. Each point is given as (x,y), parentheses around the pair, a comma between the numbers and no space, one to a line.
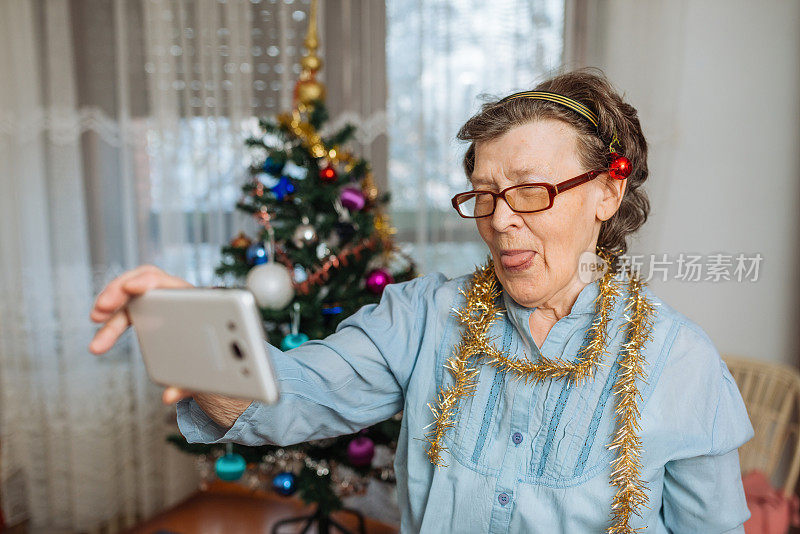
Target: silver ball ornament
(300,274)
(303,235)
(323,251)
(271,285)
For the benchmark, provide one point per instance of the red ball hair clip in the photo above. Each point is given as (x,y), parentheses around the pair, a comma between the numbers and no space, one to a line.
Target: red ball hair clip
(620,166)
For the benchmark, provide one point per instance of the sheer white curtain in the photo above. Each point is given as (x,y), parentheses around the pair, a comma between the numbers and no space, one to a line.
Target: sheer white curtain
(121,137)
(443,56)
(121,129)
(72,428)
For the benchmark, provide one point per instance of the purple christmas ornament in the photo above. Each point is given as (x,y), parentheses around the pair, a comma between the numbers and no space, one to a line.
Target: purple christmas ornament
(360,451)
(378,279)
(352,198)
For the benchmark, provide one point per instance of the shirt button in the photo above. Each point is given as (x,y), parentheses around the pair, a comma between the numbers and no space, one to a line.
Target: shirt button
(503,498)
(516,437)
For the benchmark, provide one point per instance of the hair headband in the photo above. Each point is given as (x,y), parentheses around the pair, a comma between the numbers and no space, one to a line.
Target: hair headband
(620,167)
(574,105)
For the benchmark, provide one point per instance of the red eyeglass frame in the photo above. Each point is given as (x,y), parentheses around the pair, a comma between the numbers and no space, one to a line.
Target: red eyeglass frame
(552,190)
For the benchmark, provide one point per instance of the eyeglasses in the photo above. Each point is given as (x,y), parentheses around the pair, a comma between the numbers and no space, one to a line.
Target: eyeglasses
(524,198)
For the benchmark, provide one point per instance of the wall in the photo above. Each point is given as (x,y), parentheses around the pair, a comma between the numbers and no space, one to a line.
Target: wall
(717,85)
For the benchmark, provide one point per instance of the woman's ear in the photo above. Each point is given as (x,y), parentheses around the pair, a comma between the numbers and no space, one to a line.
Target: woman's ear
(612,191)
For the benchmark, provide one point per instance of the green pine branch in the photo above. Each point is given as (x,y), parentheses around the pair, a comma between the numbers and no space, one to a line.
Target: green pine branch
(314,199)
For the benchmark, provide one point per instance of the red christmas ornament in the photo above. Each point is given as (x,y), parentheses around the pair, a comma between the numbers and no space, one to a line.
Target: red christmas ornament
(377,280)
(620,167)
(328,174)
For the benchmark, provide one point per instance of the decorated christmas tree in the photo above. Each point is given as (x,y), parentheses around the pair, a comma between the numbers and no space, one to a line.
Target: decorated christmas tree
(324,249)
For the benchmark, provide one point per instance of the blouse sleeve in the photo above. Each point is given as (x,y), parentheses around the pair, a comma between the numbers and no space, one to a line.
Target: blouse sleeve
(353,378)
(702,481)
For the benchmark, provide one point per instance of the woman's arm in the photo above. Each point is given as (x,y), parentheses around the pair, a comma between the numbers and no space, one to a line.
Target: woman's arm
(704,494)
(224,411)
(352,379)
(704,423)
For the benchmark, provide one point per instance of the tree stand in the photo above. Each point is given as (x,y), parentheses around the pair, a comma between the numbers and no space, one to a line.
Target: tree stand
(325,523)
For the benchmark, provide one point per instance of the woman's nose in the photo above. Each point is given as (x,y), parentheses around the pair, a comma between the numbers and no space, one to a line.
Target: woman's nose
(503,216)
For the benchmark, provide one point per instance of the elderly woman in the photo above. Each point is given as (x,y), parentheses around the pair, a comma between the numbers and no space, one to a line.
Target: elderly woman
(549,402)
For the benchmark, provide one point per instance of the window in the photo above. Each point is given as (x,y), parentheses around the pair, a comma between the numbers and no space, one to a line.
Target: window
(441,56)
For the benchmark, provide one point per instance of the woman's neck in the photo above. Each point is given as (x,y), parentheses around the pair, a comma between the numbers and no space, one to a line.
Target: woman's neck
(545,316)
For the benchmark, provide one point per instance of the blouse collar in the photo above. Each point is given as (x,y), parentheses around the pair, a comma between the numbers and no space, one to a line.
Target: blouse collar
(584,304)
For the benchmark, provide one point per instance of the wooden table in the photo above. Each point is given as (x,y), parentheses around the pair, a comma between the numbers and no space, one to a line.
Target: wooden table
(226,508)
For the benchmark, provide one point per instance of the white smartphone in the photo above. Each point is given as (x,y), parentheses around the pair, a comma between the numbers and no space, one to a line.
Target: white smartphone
(207,340)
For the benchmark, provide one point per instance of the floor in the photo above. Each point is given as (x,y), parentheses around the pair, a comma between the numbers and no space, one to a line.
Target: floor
(223,509)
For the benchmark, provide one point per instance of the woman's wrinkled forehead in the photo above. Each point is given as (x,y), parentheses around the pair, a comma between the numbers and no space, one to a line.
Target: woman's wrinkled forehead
(540,151)
(517,172)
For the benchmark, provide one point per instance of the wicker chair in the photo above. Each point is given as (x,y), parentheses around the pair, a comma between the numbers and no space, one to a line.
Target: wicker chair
(771,393)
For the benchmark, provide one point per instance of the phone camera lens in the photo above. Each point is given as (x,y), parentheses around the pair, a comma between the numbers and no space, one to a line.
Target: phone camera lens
(237,352)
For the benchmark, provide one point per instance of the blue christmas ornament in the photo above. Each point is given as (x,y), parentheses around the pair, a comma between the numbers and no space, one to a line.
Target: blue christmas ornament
(332,309)
(230,467)
(292,341)
(256,254)
(273,166)
(285,483)
(282,188)
(330,313)
(296,337)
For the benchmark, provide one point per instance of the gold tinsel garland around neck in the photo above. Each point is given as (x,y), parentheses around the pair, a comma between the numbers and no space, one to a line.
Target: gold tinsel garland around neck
(477,315)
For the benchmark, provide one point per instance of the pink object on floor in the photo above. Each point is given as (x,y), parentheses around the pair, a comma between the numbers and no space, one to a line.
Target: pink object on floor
(771,512)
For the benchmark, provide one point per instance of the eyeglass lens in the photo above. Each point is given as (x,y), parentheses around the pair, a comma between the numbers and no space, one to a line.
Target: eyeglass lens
(531,198)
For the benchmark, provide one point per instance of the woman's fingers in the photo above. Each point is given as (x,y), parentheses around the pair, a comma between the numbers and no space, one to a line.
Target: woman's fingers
(106,336)
(111,304)
(150,280)
(110,307)
(172,395)
(113,296)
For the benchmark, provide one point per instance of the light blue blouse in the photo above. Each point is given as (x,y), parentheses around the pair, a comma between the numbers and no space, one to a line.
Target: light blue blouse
(522,458)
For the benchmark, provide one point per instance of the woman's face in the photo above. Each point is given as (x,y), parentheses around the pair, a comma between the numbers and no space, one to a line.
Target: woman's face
(536,254)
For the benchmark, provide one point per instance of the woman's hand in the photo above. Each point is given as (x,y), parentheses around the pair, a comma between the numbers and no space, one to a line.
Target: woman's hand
(111,308)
